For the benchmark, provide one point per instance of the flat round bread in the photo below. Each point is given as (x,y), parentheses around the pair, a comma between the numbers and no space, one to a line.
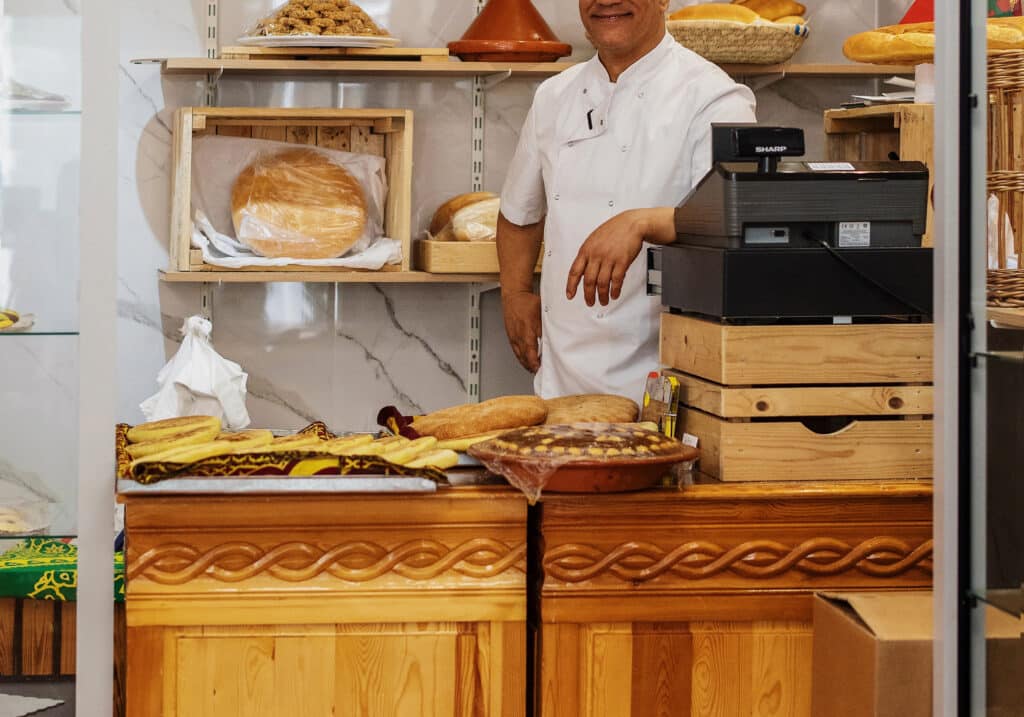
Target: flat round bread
(474,418)
(591,408)
(298,204)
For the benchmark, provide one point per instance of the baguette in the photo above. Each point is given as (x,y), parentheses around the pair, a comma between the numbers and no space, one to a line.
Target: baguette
(473,418)
(915,42)
(772,9)
(716,11)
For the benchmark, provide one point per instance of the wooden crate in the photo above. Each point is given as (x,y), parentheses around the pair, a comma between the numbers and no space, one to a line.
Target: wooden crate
(810,402)
(458,257)
(887,132)
(382,132)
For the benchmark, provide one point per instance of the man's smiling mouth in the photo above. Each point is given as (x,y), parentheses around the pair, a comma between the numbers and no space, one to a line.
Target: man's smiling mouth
(612,18)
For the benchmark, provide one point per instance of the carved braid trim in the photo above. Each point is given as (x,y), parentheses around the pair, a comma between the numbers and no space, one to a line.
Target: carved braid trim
(358,562)
(635,562)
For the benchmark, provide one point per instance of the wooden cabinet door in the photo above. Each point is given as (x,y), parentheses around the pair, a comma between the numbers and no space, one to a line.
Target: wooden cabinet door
(375,670)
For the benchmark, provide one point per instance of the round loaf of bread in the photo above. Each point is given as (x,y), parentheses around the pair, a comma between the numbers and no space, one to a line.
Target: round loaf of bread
(298,204)
(473,418)
(715,11)
(591,408)
(915,42)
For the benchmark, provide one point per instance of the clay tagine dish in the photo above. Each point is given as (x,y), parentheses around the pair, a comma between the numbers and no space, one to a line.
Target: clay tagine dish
(509,31)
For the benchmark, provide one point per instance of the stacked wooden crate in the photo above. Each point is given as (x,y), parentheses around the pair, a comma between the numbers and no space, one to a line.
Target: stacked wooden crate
(804,402)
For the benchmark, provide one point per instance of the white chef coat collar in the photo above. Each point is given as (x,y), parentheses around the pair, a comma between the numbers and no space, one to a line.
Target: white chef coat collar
(639,71)
(594,91)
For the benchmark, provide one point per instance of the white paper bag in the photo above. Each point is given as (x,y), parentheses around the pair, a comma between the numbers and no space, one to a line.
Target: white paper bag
(199,381)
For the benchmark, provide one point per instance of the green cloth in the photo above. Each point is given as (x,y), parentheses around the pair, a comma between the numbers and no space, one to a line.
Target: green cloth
(47,569)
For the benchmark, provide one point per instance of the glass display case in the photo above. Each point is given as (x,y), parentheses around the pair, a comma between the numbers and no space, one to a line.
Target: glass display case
(40,143)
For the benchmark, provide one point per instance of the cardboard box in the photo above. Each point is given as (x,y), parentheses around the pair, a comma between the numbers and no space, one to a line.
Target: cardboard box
(873,656)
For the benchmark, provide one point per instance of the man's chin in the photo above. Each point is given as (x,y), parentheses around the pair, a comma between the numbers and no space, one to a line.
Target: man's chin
(611,39)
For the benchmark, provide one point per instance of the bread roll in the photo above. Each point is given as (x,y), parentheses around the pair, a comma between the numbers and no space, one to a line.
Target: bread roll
(915,42)
(715,11)
(591,408)
(772,9)
(790,20)
(473,418)
(477,222)
(445,212)
(298,204)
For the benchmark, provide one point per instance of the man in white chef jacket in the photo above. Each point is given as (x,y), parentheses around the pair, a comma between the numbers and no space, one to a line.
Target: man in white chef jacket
(607,151)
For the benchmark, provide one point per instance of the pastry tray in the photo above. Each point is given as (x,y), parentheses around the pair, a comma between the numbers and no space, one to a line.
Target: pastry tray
(290,486)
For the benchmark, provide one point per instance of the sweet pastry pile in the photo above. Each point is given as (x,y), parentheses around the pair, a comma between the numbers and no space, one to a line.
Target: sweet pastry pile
(8,318)
(581,442)
(319,17)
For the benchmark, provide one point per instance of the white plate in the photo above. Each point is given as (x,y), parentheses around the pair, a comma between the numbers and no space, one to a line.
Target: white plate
(370,41)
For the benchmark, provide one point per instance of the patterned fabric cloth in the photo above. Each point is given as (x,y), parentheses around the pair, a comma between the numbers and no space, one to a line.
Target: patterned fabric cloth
(297,463)
(47,569)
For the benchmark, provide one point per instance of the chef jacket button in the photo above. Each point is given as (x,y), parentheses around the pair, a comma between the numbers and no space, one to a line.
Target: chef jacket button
(625,147)
(556,197)
(546,309)
(584,90)
(640,94)
(600,314)
(611,203)
(572,144)
(549,252)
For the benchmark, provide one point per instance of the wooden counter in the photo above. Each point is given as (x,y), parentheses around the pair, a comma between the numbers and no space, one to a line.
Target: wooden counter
(265,606)
(661,603)
(699,602)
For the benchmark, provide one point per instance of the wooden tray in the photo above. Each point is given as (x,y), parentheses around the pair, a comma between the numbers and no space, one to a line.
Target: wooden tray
(459,257)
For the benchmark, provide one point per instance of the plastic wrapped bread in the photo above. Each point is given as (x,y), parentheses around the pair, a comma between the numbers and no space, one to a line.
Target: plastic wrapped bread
(298,204)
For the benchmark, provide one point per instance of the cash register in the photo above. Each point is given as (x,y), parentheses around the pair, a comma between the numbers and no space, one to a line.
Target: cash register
(766,238)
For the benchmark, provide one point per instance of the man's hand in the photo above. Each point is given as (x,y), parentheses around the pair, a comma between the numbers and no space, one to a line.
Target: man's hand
(523,326)
(602,261)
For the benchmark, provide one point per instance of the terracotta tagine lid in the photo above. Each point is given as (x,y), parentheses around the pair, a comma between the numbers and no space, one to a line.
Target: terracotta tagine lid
(509,31)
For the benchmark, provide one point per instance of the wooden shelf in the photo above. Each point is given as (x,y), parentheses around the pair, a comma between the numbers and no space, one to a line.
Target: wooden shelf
(1006,317)
(332,277)
(454,68)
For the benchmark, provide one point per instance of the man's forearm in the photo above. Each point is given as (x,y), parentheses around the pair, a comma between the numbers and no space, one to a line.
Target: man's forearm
(518,250)
(659,225)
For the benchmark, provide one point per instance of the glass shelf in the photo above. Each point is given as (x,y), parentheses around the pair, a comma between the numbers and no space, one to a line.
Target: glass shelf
(42,113)
(41,331)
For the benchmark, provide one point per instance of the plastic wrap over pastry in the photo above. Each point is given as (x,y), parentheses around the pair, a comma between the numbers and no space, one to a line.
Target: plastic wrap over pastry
(581,457)
(316,17)
(298,204)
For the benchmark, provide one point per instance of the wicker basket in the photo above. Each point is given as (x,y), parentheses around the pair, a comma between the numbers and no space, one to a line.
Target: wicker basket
(723,41)
(1006,170)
